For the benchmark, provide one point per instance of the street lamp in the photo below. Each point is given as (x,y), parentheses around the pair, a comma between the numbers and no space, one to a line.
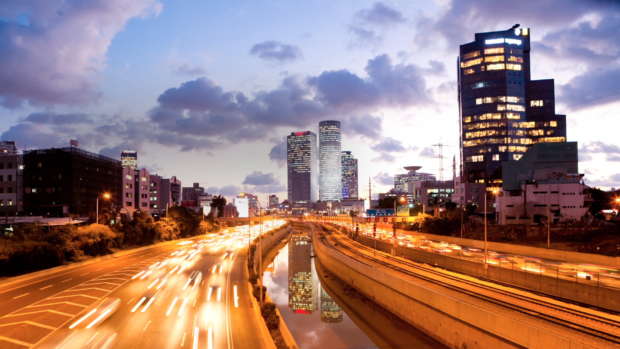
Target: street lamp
(485,227)
(106,196)
(260,249)
(402,198)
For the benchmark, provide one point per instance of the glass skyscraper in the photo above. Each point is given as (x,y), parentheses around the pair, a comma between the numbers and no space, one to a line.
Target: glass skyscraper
(349,176)
(502,111)
(301,171)
(330,161)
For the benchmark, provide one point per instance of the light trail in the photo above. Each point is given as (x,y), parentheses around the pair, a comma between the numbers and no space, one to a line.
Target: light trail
(210,338)
(187,284)
(221,268)
(148,304)
(138,305)
(82,319)
(236,298)
(147,274)
(154,265)
(182,306)
(214,268)
(175,269)
(195,337)
(219,294)
(140,273)
(183,267)
(98,319)
(108,341)
(209,293)
(172,306)
(153,284)
(162,283)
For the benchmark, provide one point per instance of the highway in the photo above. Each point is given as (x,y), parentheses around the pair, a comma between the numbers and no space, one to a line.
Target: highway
(177,295)
(579,272)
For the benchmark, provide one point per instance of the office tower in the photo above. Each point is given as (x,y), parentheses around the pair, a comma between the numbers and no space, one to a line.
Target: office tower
(60,181)
(401,181)
(129,158)
(330,310)
(303,294)
(349,176)
(503,112)
(330,161)
(274,201)
(302,171)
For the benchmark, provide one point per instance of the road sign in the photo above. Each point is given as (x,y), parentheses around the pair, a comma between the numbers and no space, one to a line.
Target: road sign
(403,211)
(380,212)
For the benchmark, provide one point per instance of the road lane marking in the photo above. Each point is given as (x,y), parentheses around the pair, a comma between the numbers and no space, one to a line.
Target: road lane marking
(194,303)
(167,295)
(25,294)
(131,300)
(84,274)
(147,325)
(15,341)
(66,280)
(45,287)
(31,323)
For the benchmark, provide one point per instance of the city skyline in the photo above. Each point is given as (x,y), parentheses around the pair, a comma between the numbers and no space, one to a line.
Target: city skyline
(291,81)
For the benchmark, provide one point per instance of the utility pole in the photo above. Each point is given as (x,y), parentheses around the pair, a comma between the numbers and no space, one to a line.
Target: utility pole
(440,157)
(369,194)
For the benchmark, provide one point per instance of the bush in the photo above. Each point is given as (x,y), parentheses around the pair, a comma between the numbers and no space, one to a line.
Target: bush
(256,291)
(272,321)
(267,308)
(253,278)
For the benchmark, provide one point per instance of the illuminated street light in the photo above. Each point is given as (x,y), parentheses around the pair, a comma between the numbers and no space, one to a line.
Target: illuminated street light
(105,196)
(485,228)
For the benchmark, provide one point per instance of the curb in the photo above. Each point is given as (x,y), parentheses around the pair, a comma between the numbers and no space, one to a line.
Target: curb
(35,274)
(259,318)
(286,334)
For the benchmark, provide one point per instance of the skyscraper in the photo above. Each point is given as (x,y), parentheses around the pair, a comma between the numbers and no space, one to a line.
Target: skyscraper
(330,161)
(503,112)
(129,158)
(401,181)
(349,176)
(301,171)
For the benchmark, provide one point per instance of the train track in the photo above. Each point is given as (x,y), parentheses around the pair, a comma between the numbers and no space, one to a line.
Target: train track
(562,322)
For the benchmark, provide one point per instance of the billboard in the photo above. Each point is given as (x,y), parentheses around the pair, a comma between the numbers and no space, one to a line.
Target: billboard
(188,203)
(243,207)
(403,211)
(380,212)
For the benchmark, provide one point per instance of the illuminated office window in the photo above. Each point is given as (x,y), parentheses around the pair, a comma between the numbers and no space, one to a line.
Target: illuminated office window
(514,116)
(512,66)
(502,148)
(498,66)
(493,51)
(493,59)
(471,63)
(515,59)
(515,107)
(468,71)
(471,55)
(517,156)
(495,157)
(554,124)
(536,103)
(467,119)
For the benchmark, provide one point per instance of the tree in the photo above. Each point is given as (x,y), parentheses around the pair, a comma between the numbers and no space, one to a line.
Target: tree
(387,202)
(218,202)
(352,213)
(450,206)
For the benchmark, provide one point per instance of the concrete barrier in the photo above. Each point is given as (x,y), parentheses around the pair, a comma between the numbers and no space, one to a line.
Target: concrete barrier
(560,255)
(583,292)
(452,322)
(269,241)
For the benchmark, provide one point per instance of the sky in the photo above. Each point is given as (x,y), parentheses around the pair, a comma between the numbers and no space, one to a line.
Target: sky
(208,90)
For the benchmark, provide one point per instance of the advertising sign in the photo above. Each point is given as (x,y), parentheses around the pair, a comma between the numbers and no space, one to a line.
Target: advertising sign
(189,203)
(403,211)
(380,212)
(243,207)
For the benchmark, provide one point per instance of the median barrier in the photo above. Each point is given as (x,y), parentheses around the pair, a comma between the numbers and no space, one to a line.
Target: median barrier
(453,322)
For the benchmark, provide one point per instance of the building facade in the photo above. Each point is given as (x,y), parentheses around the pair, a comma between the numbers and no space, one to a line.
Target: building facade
(349,176)
(401,181)
(129,158)
(155,206)
(274,201)
(503,112)
(466,194)
(431,193)
(136,187)
(302,171)
(330,161)
(189,195)
(170,192)
(11,179)
(60,181)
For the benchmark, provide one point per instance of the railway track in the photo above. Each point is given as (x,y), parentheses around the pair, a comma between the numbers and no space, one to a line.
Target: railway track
(565,322)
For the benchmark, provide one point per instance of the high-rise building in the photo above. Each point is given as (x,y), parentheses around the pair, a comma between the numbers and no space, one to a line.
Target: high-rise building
(129,158)
(401,181)
(349,176)
(330,310)
(274,201)
(330,161)
(302,171)
(503,112)
(303,286)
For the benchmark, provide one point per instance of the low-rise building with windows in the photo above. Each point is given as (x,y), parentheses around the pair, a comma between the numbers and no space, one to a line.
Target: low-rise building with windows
(136,187)
(11,184)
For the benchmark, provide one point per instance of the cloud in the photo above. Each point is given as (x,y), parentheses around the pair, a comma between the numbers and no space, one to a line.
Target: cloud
(188,70)
(368,25)
(228,191)
(48,118)
(389,145)
(615,178)
(380,14)
(59,54)
(276,51)
(611,151)
(427,152)
(383,178)
(259,178)
(278,153)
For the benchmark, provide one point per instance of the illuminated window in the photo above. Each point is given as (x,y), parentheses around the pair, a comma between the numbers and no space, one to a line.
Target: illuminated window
(515,107)
(478,100)
(530,124)
(536,103)
(498,66)
(554,124)
(468,71)
(501,107)
(478,85)
(512,66)
(526,141)
(515,59)
(493,51)
(467,119)
(514,116)
(493,59)
(143,179)
(514,99)
(470,63)
(525,31)
(549,133)
(495,157)
(471,55)
(476,158)
(502,148)
(128,177)
(517,156)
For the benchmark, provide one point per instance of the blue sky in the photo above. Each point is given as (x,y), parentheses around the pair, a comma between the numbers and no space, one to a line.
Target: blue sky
(206,90)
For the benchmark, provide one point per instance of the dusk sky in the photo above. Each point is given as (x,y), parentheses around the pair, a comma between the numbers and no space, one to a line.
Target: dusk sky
(208,90)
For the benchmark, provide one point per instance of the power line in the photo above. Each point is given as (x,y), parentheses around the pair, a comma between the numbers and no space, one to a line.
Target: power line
(596,99)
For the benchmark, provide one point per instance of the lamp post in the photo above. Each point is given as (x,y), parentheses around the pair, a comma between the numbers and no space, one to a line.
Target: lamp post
(107,196)
(485,228)
(548,220)
(394,226)
(260,249)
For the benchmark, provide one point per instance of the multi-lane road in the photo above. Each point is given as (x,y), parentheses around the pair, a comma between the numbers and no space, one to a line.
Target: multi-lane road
(170,296)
